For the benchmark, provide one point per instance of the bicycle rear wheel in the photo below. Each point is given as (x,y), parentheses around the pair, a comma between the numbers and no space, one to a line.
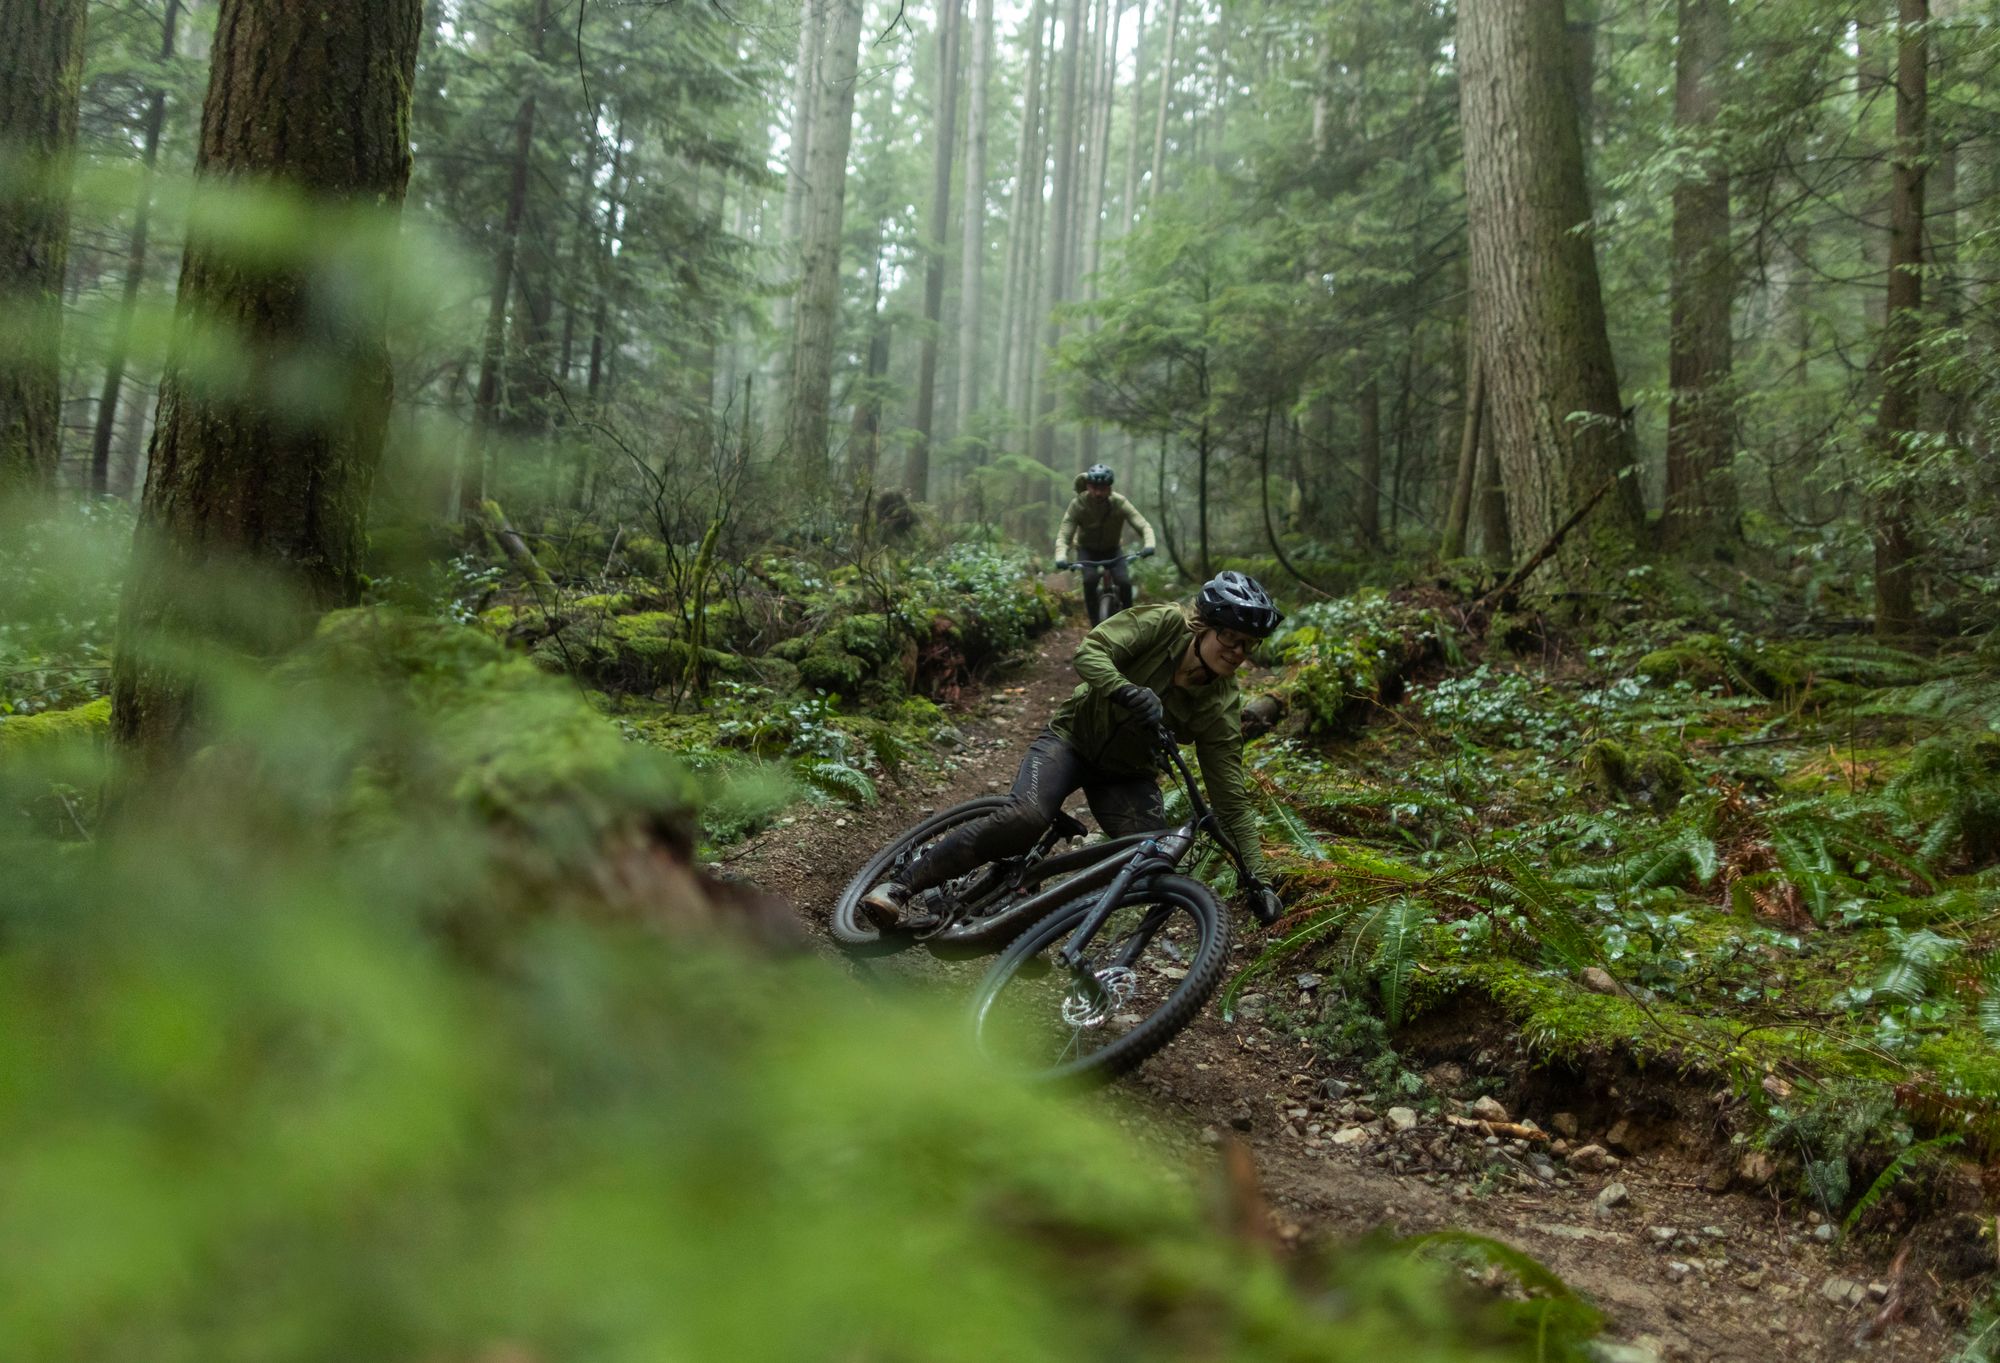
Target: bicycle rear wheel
(846,921)
(1146,973)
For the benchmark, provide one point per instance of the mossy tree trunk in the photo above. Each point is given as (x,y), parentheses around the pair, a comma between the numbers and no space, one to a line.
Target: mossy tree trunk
(818,310)
(1897,416)
(1701,501)
(43,40)
(1537,305)
(937,227)
(263,476)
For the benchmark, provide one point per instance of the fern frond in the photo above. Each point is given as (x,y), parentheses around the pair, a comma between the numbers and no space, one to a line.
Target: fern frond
(1399,942)
(838,780)
(1920,960)
(1548,911)
(889,750)
(1890,1176)
(1535,1277)
(1989,997)
(1294,830)
(1324,925)
(1861,845)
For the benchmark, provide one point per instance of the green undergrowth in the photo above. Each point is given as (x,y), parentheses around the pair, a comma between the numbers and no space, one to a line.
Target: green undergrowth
(790,678)
(398,1020)
(1784,854)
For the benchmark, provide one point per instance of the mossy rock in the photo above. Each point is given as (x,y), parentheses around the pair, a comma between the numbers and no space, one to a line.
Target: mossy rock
(791,650)
(644,555)
(1650,777)
(1701,660)
(772,672)
(828,668)
(31,734)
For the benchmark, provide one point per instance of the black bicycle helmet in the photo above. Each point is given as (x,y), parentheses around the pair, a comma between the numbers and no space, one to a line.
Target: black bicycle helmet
(1098,475)
(1233,600)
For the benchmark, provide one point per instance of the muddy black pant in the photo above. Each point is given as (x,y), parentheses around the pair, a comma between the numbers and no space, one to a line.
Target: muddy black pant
(1121,577)
(1049,773)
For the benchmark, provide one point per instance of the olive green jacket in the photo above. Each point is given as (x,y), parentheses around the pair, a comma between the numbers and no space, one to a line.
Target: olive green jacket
(1144,645)
(1095,528)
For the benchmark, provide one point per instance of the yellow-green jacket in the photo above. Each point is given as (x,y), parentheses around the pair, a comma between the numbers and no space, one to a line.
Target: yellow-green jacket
(1144,645)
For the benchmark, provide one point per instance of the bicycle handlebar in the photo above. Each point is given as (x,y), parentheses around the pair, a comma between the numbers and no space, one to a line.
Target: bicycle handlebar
(1066,563)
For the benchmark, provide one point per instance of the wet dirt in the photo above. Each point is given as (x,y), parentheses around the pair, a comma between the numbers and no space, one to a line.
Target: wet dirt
(1681,1272)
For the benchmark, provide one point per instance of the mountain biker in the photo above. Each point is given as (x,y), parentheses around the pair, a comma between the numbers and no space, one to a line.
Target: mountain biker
(1093,527)
(1161,663)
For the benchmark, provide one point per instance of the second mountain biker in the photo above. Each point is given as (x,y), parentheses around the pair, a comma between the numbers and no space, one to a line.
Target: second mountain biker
(1093,528)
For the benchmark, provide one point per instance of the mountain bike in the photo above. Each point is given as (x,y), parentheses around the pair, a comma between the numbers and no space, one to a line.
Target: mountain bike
(1103,602)
(1108,950)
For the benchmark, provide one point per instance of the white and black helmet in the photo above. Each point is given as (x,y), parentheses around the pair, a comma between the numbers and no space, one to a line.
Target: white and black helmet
(1233,600)
(1098,475)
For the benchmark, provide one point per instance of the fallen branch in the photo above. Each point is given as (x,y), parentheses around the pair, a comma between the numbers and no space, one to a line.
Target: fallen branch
(1511,1130)
(1552,543)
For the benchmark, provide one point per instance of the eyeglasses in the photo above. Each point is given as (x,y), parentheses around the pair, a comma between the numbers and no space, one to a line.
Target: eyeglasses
(1235,641)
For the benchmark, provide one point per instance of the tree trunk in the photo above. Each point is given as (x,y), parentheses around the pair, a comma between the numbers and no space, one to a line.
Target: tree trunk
(944,132)
(1701,506)
(819,284)
(1581,31)
(1496,542)
(1368,449)
(972,244)
(1129,202)
(472,477)
(1027,170)
(1460,515)
(257,475)
(1061,233)
(1166,92)
(1897,417)
(43,40)
(865,431)
(805,98)
(1536,304)
(1098,163)
(135,270)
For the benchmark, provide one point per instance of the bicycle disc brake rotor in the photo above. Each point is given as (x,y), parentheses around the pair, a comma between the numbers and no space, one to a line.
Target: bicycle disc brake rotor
(1114,985)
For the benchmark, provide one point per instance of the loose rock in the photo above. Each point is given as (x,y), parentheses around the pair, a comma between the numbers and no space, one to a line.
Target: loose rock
(1402,1118)
(1590,1159)
(1564,1125)
(1613,1195)
(1599,981)
(1489,1109)
(1756,1168)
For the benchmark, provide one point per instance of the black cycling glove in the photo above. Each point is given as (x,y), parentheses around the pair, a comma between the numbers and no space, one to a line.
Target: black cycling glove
(1264,903)
(1141,702)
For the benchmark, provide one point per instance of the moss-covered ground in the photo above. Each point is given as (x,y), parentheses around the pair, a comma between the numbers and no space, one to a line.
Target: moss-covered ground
(1774,861)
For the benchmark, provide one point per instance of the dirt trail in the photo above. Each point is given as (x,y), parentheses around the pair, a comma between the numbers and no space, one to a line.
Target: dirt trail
(1681,1273)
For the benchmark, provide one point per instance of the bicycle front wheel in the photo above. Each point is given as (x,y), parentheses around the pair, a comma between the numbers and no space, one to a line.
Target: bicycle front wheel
(1145,974)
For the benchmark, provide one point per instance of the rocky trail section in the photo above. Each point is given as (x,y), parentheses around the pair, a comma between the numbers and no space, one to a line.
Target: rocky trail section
(1687,1264)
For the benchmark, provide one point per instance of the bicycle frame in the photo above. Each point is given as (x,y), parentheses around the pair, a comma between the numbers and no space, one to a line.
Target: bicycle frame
(1157,853)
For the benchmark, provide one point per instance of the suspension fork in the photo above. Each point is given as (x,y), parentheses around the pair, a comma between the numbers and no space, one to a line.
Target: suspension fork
(1159,853)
